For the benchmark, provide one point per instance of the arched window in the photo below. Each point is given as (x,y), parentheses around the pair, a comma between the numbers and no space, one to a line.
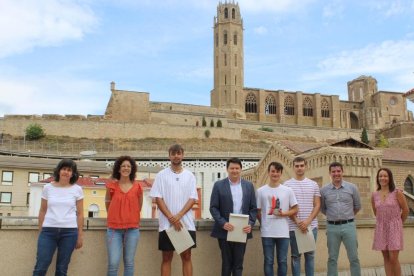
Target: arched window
(93,211)
(408,186)
(226,13)
(307,107)
(235,60)
(233,13)
(250,104)
(289,105)
(235,38)
(225,38)
(324,108)
(270,105)
(225,59)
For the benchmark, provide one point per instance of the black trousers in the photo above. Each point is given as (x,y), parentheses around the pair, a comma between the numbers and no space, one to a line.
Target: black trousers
(232,254)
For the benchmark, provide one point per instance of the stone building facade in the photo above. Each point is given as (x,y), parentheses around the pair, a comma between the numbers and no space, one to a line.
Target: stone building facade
(361,163)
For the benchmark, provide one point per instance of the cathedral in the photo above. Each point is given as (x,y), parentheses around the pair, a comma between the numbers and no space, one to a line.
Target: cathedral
(366,107)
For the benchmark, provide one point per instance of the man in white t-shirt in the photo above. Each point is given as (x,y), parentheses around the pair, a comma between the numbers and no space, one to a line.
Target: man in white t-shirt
(175,193)
(275,203)
(309,200)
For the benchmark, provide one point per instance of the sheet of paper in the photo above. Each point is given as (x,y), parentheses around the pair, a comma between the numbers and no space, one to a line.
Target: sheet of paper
(238,221)
(180,239)
(305,241)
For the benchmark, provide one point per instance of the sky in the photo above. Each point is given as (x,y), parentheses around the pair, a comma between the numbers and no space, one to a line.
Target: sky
(59,56)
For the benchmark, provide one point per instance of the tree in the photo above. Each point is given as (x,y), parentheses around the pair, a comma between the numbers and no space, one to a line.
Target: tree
(382,141)
(212,123)
(219,123)
(204,122)
(364,136)
(207,133)
(34,132)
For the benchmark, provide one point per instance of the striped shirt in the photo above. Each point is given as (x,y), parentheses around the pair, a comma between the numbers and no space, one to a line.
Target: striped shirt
(305,190)
(175,189)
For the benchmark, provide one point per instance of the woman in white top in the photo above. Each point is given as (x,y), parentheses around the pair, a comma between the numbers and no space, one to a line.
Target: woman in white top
(60,219)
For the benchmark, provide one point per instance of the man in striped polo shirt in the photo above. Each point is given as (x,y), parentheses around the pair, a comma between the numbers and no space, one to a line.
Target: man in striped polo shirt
(309,201)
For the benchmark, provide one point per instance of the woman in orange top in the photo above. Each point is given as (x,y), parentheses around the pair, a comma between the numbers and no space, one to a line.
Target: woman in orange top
(123,202)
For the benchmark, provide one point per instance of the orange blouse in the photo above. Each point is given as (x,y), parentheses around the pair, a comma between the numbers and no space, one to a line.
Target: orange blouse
(124,208)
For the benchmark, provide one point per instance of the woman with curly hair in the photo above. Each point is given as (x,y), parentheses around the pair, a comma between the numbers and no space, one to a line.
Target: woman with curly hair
(391,210)
(60,219)
(123,203)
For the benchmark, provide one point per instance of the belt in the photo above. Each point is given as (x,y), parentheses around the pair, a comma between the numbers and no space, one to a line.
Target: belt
(340,221)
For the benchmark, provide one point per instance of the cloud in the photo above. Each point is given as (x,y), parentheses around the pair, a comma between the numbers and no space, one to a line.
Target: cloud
(390,8)
(279,6)
(28,24)
(333,9)
(52,94)
(387,57)
(260,30)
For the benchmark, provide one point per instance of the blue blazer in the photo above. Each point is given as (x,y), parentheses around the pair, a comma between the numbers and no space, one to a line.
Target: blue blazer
(221,205)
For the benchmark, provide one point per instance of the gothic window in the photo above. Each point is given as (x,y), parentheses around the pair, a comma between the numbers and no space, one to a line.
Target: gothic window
(235,60)
(225,38)
(225,79)
(216,61)
(270,105)
(307,107)
(324,108)
(289,105)
(233,13)
(235,38)
(251,105)
(226,13)
(225,59)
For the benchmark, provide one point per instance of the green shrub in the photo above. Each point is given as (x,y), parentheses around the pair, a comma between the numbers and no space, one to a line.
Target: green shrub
(382,142)
(34,132)
(268,129)
(207,133)
(219,123)
(212,123)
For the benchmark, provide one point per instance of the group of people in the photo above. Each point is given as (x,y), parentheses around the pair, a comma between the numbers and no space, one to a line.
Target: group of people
(280,208)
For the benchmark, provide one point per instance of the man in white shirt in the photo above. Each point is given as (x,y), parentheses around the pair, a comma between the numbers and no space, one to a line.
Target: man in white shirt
(309,200)
(275,203)
(175,193)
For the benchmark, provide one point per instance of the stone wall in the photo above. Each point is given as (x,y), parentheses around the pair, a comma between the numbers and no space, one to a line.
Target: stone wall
(15,125)
(91,259)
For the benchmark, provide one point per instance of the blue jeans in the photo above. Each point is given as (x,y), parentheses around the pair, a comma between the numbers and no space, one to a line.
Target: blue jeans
(50,238)
(295,256)
(282,246)
(118,240)
(347,234)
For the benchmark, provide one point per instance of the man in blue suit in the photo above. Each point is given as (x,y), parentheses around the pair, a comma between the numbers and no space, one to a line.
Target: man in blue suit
(232,195)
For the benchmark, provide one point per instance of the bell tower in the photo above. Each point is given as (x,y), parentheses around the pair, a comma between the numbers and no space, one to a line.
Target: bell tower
(228,57)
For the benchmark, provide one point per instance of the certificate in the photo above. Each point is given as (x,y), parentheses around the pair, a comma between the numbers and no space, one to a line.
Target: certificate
(305,241)
(238,221)
(180,239)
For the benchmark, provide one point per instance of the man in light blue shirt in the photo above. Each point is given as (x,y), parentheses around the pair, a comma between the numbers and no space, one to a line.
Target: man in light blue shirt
(340,202)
